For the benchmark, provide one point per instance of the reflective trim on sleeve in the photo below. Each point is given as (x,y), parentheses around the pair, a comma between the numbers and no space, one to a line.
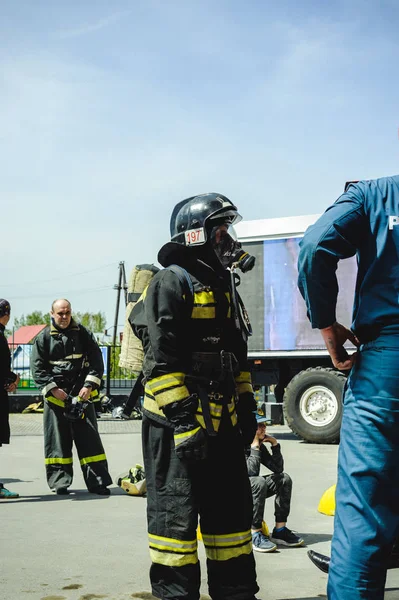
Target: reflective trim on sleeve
(244,387)
(56,401)
(244,377)
(58,461)
(93,379)
(151,405)
(182,437)
(95,396)
(172,552)
(244,382)
(227,546)
(167,388)
(90,459)
(48,387)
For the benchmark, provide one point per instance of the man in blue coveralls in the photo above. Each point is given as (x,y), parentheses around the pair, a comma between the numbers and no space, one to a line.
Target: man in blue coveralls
(363,221)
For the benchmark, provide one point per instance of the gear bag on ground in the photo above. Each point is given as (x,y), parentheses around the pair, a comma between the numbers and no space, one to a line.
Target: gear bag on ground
(134,482)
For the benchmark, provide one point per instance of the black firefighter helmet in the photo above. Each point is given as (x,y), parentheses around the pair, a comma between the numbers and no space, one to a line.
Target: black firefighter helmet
(193,218)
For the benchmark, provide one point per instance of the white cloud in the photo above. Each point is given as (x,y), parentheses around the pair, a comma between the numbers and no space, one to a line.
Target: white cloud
(91,27)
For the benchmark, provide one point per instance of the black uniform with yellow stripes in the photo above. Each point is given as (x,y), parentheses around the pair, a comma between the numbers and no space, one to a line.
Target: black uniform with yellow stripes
(68,359)
(193,349)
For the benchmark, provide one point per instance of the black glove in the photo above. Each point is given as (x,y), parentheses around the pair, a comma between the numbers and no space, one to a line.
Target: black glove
(190,439)
(246,415)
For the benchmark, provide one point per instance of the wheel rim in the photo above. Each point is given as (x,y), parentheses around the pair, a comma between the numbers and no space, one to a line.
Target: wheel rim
(318,406)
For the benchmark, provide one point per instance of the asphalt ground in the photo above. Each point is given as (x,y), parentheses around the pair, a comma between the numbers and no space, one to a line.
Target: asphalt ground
(84,547)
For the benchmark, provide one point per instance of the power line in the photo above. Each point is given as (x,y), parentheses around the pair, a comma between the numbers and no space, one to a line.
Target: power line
(59,276)
(80,291)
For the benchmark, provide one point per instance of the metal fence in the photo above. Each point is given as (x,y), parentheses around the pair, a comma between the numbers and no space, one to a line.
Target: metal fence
(116,379)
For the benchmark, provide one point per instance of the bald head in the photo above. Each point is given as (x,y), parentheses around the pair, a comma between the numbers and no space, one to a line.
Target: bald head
(61,312)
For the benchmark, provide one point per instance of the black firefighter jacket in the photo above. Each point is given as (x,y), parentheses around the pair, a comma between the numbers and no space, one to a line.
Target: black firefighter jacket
(5,377)
(67,359)
(180,331)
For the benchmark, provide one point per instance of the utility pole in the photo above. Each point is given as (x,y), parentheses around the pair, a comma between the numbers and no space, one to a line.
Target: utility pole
(119,286)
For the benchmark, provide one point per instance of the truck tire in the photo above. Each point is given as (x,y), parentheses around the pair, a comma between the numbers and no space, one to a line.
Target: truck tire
(312,404)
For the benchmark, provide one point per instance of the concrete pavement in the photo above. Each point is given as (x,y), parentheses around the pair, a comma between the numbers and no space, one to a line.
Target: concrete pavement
(83,547)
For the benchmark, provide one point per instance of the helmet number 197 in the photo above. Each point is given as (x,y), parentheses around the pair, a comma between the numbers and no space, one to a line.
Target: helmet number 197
(195,236)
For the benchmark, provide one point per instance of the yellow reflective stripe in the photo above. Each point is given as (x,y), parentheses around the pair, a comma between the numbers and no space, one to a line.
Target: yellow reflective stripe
(203,312)
(56,401)
(172,559)
(225,547)
(221,554)
(244,382)
(58,461)
(172,552)
(244,377)
(215,422)
(204,306)
(227,294)
(182,437)
(214,409)
(72,356)
(173,395)
(244,387)
(166,543)
(167,388)
(144,294)
(204,299)
(158,384)
(151,405)
(89,459)
(226,539)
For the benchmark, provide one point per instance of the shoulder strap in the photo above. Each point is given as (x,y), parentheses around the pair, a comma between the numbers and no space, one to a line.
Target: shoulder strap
(185,279)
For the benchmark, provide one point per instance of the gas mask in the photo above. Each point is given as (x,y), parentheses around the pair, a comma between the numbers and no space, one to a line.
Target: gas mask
(229,250)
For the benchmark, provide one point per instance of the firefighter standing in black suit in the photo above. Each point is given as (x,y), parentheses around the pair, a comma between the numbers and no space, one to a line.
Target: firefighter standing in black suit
(198,410)
(66,361)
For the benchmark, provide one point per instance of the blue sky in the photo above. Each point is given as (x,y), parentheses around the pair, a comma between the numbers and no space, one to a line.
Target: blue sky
(112,112)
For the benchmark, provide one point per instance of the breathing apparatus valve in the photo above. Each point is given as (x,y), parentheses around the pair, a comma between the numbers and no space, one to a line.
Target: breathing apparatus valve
(244,261)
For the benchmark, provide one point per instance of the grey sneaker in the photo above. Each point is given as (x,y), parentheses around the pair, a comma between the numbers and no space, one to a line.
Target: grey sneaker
(261,543)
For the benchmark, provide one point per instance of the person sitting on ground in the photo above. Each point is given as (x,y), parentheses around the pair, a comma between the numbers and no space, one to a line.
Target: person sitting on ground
(8,383)
(277,484)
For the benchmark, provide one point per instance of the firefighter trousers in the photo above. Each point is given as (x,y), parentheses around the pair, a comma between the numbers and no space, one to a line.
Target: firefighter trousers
(216,490)
(59,435)
(367,494)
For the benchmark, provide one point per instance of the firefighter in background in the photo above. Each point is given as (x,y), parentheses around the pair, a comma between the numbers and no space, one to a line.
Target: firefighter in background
(198,407)
(363,221)
(66,361)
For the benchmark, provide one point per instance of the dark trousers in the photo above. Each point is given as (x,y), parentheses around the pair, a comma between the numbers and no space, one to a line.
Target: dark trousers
(367,494)
(59,435)
(4,417)
(215,489)
(276,484)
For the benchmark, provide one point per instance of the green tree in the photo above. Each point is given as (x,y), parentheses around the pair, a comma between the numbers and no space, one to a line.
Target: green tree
(95,322)
(34,318)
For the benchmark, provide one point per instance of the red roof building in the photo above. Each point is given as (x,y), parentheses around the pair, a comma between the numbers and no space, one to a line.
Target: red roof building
(25,335)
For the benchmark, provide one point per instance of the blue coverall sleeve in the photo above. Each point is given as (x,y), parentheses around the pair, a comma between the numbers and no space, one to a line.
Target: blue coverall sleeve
(335,235)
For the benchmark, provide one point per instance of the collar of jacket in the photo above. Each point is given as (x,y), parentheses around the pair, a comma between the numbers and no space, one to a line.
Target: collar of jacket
(54,330)
(2,327)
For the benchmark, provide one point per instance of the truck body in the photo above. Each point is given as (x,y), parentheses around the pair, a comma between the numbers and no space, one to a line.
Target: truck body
(285,353)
